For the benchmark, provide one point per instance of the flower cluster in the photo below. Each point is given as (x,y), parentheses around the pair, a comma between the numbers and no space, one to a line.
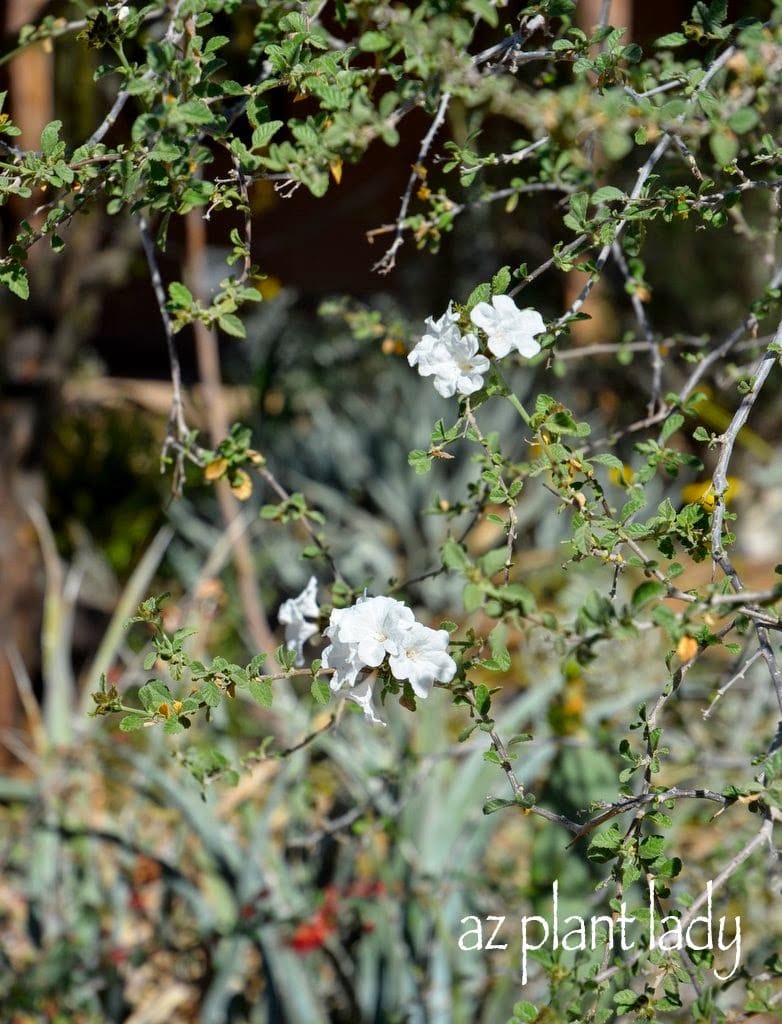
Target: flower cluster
(450,357)
(454,359)
(376,628)
(362,638)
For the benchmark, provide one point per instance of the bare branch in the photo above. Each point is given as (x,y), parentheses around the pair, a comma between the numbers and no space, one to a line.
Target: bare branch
(177,432)
(387,263)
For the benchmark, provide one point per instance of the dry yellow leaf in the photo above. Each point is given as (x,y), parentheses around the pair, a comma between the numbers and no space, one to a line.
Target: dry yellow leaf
(215,469)
(241,485)
(687,648)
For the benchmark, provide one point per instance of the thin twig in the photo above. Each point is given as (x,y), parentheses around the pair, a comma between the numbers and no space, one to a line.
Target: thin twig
(283,495)
(720,485)
(515,157)
(644,327)
(733,679)
(177,430)
(633,802)
(388,261)
(565,251)
(511,526)
(641,178)
(747,326)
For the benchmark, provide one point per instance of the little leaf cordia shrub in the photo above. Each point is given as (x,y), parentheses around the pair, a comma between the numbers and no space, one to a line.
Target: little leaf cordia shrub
(643,171)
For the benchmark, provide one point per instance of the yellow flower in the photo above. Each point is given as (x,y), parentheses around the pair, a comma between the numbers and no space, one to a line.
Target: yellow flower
(621,477)
(702,492)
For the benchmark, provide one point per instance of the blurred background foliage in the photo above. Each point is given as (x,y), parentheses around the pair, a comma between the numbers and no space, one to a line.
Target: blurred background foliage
(330,884)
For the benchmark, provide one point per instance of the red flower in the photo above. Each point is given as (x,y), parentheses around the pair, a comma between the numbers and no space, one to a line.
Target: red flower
(311,935)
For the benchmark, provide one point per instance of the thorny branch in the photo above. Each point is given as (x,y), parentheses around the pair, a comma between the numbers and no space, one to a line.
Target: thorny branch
(762,838)
(388,261)
(720,484)
(177,433)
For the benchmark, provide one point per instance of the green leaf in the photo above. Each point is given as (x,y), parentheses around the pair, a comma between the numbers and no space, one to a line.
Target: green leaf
(180,295)
(498,643)
(496,804)
(626,998)
(472,597)
(261,692)
(372,42)
(263,134)
(211,694)
(256,664)
(493,561)
(743,120)
(576,220)
(231,324)
(606,194)
(724,145)
(671,40)
(132,722)
(605,845)
(671,425)
(420,461)
(500,281)
(521,737)
(480,294)
(50,138)
(608,459)
(215,43)
(482,700)
(485,10)
(320,690)
(516,594)
(190,112)
(14,277)
(153,694)
(646,591)
(454,555)
(525,1012)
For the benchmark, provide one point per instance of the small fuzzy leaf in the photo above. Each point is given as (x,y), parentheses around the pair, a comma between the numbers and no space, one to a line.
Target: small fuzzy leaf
(496,804)
(261,692)
(372,42)
(231,324)
(131,722)
(320,690)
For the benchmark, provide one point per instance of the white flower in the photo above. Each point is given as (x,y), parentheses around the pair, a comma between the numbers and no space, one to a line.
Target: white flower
(293,614)
(346,664)
(460,370)
(422,658)
(376,628)
(451,358)
(436,340)
(508,327)
(362,695)
(372,625)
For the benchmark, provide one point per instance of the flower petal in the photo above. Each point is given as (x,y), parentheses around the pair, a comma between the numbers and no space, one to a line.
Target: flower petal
(484,316)
(362,695)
